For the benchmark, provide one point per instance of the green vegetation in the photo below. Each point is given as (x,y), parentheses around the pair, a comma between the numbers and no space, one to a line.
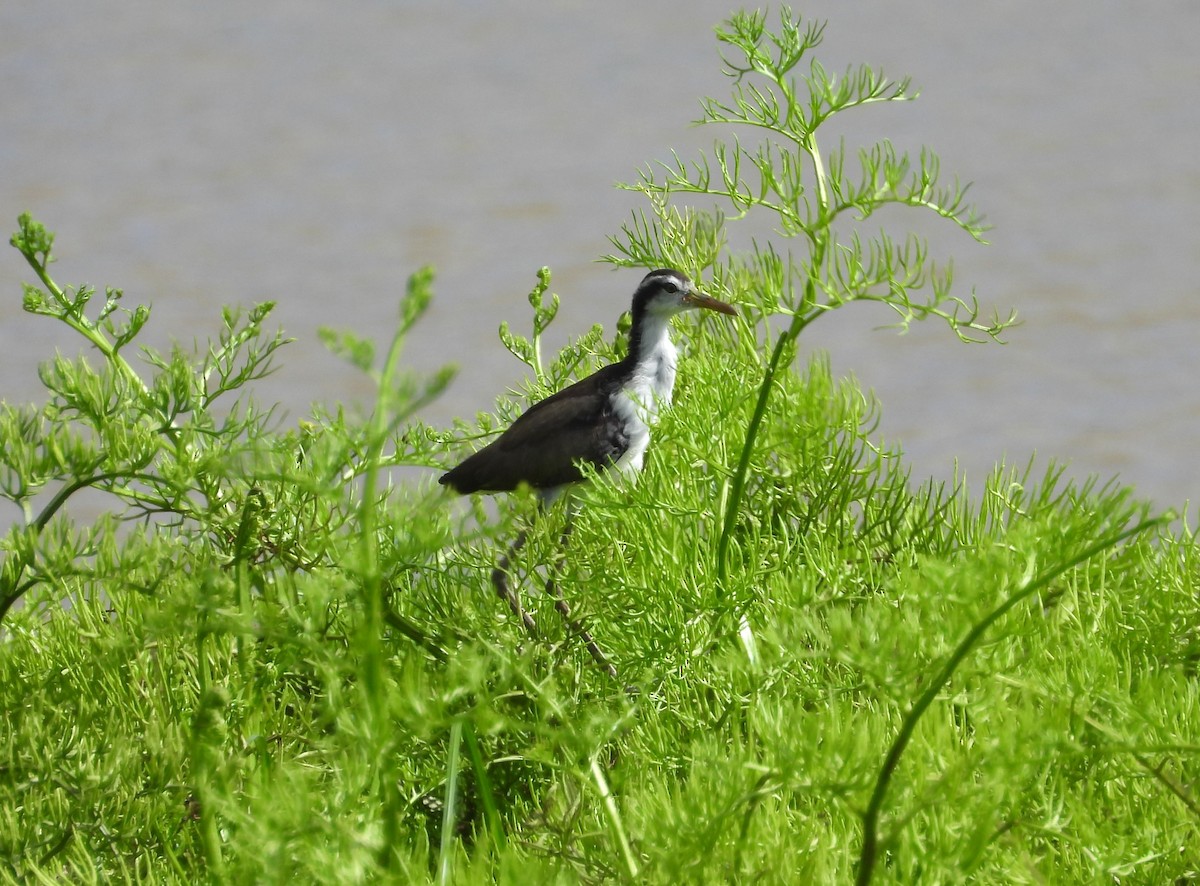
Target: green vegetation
(267,663)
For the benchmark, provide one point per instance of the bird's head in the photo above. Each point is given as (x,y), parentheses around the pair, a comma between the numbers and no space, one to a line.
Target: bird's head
(666,292)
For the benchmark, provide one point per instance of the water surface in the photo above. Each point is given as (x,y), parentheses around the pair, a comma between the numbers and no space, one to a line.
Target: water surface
(315,154)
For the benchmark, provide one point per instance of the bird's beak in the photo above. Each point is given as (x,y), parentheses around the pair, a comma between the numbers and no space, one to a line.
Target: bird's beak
(700,300)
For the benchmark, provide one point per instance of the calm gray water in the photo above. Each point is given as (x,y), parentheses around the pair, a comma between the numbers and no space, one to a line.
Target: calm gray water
(316,153)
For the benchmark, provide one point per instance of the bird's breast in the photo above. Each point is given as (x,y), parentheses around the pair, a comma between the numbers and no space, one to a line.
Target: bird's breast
(657,378)
(639,401)
(630,410)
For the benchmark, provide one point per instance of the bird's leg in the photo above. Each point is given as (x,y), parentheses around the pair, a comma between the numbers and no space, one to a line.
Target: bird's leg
(500,580)
(564,610)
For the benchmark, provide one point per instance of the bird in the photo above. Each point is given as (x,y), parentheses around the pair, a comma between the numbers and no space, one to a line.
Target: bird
(602,421)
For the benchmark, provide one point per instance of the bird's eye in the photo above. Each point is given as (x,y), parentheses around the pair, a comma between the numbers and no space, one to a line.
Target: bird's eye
(670,287)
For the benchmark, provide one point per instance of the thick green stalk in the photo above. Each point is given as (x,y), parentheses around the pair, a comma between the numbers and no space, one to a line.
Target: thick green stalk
(738,482)
(783,345)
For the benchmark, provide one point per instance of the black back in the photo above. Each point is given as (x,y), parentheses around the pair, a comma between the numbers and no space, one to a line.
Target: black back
(546,444)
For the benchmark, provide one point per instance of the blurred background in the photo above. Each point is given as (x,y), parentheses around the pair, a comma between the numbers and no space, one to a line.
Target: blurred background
(315,154)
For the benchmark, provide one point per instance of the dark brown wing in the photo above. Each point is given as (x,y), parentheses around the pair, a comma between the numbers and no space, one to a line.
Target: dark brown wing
(546,444)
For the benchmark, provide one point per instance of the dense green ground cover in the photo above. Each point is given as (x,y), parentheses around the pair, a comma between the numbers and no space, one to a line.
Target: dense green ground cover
(279,666)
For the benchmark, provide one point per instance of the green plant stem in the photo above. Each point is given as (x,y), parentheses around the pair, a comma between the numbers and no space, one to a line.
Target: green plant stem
(783,345)
(809,145)
(83,326)
(738,483)
(614,821)
(373,678)
(491,812)
(450,804)
(870,845)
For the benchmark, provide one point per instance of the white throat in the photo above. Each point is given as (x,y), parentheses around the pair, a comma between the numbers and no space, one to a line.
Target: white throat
(654,369)
(648,389)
